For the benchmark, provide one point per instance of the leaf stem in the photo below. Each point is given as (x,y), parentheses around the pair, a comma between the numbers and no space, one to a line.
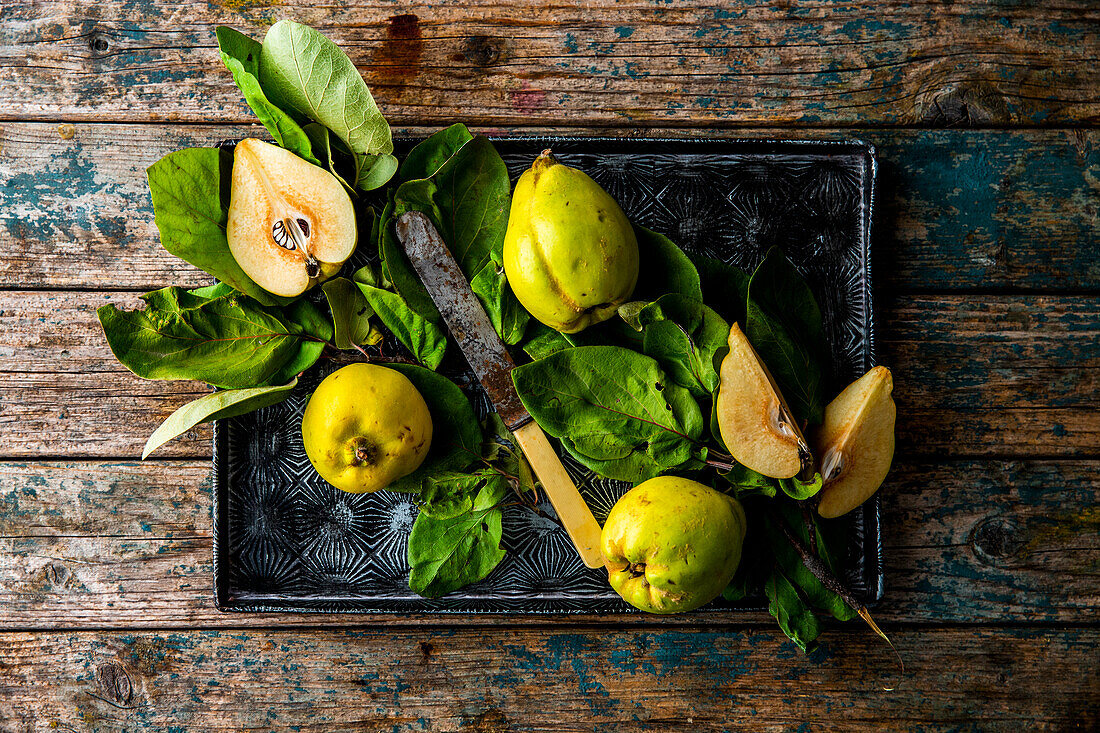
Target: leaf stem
(821,571)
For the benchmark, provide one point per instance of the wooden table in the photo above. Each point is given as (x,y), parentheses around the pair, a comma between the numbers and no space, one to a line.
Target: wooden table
(987,259)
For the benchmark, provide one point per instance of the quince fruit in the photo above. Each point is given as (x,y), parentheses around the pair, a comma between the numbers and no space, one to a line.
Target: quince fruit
(291,224)
(671,544)
(365,427)
(570,253)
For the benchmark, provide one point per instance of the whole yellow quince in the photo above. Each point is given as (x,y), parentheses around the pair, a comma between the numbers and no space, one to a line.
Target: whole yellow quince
(365,427)
(570,253)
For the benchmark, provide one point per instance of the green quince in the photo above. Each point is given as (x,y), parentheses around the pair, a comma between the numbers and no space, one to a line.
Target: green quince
(671,544)
(570,253)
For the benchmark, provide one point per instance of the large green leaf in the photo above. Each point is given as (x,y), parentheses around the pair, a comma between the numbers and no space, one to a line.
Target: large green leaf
(665,268)
(467,199)
(784,324)
(508,317)
(399,270)
(614,409)
(303,71)
(456,433)
(215,406)
(447,554)
(190,190)
(687,338)
(725,288)
(426,341)
(228,341)
(429,155)
(241,55)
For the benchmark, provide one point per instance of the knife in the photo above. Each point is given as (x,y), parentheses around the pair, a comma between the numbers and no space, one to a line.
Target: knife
(483,349)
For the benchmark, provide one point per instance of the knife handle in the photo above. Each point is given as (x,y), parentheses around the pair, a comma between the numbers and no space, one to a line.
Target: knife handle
(573,512)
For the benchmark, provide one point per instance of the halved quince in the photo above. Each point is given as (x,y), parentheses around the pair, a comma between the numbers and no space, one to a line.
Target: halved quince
(856,443)
(291,224)
(755,422)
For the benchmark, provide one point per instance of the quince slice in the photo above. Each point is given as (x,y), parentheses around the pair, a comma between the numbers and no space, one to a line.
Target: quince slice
(291,224)
(856,443)
(756,424)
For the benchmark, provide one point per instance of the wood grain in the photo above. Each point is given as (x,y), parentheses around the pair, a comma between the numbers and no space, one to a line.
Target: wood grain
(956,210)
(642,62)
(994,376)
(547,680)
(124,545)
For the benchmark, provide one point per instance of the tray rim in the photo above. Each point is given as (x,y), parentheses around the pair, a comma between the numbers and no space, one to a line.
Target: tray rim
(873,551)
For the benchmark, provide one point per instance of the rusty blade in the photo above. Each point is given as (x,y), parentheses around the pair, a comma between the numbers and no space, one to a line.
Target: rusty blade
(463,314)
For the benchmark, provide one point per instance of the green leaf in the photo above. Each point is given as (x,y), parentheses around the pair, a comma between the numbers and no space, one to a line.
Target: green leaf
(614,409)
(351,314)
(425,340)
(190,190)
(467,199)
(321,139)
(309,319)
(543,341)
(508,317)
(664,269)
(399,270)
(425,160)
(795,618)
(304,72)
(801,490)
(456,434)
(215,406)
(241,55)
(448,554)
(448,494)
(786,559)
(227,341)
(784,325)
(747,482)
(687,338)
(307,355)
(725,288)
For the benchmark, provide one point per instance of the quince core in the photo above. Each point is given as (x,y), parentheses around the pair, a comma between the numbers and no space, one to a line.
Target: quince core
(365,427)
(291,224)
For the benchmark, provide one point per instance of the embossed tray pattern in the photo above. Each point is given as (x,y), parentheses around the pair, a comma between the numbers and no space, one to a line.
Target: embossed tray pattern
(285,540)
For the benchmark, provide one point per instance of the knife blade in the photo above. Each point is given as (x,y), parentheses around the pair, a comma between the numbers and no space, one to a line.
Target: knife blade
(489,359)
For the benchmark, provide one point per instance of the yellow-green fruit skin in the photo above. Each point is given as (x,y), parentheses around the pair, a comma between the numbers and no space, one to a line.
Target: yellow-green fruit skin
(570,253)
(671,544)
(365,427)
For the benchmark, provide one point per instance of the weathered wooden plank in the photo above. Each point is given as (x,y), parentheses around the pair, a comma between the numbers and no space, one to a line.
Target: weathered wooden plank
(643,62)
(547,680)
(989,375)
(956,210)
(124,545)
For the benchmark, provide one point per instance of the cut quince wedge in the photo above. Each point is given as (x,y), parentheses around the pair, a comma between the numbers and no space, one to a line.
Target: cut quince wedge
(756,424)
(855,443)
(291,224)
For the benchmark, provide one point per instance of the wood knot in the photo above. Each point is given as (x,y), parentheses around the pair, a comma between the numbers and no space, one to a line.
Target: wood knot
(99,44)
(997,538)
(483,50)
(114,683)
(965,104)
(489,721)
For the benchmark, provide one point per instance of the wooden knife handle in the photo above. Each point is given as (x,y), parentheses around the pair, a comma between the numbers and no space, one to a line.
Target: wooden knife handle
(582,527)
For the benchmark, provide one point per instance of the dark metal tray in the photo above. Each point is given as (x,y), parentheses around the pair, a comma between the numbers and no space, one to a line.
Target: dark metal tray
(284,540)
